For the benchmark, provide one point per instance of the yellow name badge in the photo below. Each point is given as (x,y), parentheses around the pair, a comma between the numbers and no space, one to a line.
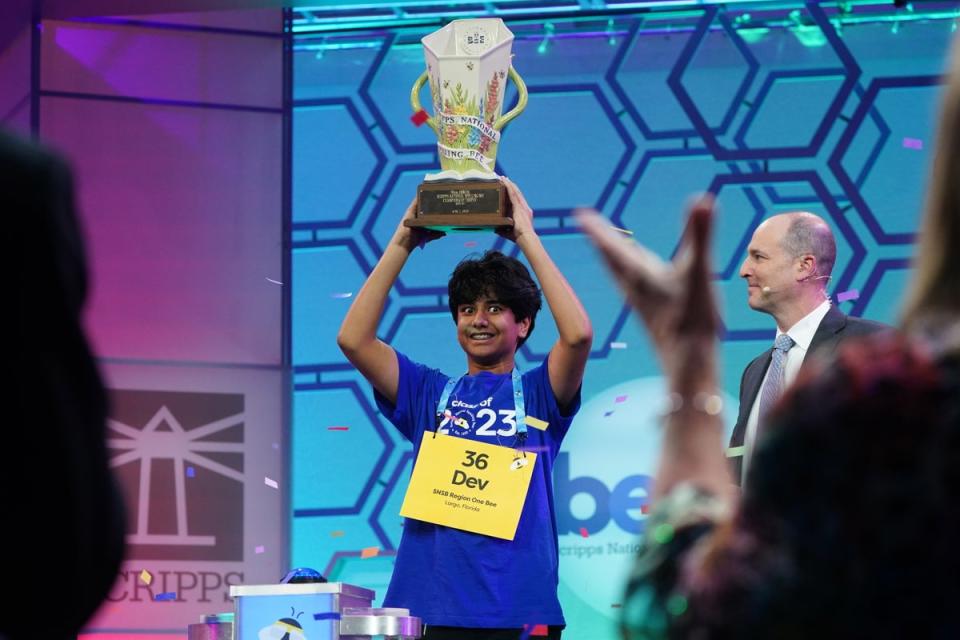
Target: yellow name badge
(468,485)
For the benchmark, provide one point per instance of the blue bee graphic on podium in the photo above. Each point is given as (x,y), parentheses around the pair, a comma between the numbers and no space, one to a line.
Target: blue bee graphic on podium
(284,629)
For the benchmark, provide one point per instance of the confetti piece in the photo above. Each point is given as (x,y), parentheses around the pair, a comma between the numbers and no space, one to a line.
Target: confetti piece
(258,549)
(470,244)
(145,577)
(625,232)
(618,345)
(369,552)
(191,472)
(271,483)
(536,423)
(346,294)
(584,532)
(733,452)
(912,143)
(536,630)
(338,428)
(620,399)
(336,534)
(645,508)
(607,414)
(166,596)
(852,294)
(419,117)
(538,448)
(329,615)
(616,605)
(273,281)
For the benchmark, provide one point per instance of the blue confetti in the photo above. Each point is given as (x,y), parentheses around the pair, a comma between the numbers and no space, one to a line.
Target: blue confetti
(326,616)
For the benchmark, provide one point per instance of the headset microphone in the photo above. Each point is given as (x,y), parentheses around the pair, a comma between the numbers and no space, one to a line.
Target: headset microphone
(767,290)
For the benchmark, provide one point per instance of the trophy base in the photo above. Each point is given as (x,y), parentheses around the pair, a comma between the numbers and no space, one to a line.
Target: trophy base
(462,205)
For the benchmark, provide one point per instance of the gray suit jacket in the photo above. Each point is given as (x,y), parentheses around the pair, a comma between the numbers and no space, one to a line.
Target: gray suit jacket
(835,327)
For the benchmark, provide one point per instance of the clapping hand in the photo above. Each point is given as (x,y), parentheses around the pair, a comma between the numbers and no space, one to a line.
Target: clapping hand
(674,300)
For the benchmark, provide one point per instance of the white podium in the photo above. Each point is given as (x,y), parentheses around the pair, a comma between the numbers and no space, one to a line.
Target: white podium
(316,611)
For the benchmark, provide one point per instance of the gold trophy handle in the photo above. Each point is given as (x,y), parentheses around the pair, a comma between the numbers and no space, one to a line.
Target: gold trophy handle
(415,100)
(521,101)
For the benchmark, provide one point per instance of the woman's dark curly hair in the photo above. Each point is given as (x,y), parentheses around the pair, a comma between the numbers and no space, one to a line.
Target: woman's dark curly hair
(849,524)
(499,277)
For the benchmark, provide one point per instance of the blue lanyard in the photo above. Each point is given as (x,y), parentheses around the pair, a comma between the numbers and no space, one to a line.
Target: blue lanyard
(520,411)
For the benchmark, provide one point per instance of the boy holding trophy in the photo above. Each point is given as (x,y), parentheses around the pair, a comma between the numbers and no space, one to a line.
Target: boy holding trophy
(478,558)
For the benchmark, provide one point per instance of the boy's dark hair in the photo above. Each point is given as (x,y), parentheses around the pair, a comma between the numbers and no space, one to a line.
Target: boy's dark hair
(496,276)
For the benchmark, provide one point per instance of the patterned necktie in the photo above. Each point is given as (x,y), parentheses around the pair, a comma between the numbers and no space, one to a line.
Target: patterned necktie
(774,385)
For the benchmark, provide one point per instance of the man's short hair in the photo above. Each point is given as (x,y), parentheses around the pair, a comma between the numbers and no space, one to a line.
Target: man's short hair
(807,233)
(498,277)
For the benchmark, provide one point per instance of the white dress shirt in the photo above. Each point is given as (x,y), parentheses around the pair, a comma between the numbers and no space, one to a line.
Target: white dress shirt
(802,334)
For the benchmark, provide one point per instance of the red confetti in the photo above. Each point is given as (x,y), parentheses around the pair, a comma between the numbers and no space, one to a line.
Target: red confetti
(419,117)
(338,428)
(644,509)
(584,532)
(539,630)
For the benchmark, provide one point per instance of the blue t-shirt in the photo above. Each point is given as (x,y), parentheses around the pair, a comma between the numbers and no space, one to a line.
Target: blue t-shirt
(449,577)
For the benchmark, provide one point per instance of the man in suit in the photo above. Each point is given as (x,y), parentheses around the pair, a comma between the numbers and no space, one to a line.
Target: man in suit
(788,265)
(64,518)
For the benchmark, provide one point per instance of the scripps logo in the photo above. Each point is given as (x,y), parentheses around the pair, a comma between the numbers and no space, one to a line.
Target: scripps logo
(179,459)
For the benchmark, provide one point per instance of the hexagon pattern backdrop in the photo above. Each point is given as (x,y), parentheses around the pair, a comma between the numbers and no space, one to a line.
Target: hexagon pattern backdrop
(632,123)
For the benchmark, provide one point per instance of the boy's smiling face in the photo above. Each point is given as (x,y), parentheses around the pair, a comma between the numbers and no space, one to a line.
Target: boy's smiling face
(488,332)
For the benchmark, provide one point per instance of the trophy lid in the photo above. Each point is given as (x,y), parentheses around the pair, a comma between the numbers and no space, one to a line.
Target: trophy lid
(470,38)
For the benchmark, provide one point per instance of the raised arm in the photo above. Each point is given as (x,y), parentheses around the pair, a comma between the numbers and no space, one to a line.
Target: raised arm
(676,304)
(357,338)
(568,356)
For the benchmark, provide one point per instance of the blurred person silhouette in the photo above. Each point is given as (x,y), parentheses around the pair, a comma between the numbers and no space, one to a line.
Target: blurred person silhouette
(63,513)
(847,525)
(932,308)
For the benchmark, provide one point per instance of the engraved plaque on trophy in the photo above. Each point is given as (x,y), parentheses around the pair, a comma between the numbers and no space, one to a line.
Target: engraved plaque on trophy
(468,63)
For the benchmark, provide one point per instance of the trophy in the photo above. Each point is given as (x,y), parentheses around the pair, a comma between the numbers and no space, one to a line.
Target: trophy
(468,63)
